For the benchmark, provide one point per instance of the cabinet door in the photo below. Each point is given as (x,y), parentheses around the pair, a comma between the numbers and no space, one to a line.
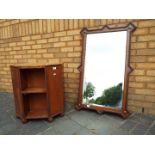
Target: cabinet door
(15,74)
(54,78)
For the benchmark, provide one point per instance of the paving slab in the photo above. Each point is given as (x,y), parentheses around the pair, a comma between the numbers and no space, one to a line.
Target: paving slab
(74,122)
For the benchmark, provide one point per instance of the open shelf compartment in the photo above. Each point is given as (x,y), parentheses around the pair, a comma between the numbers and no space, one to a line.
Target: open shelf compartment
(35,106)
(33,80)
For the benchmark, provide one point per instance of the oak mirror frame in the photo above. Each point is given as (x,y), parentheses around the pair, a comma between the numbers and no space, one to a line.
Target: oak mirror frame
(85,32)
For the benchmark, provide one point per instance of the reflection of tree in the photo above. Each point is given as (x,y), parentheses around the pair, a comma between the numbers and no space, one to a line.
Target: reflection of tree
(110,96)
(89,91)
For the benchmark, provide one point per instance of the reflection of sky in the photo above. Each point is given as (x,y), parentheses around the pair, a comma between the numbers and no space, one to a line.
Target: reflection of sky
(105,60)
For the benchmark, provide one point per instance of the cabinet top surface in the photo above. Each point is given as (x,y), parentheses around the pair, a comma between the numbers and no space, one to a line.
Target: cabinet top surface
(34,66)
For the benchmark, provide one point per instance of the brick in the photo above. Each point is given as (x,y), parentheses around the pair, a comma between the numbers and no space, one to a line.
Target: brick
(73,85)
(53,49)
(53,40)
(17,56)
(73,32)
(16,48)
(36,56)
(151,111)
(59,44)
(145,65)
(71,24)
(136,97)
(152,30)
(151,44)
(146,38)
(136,85)
(145,79)
(138,58)
(63,60)
(151,85)
(73,65)
(133,39)
(21,43)
(42,41)
(26,47)
(62,25)
(59,55)
(145,52)
(75,23)
(12,44)
(68,70)
(139,45)
(150,98)
(8,49)
(67,49)
(141,31)
(42,51)
(59,34)
(75,54)
(76,70)
(35,37)
(78,48)
(50,35)
(42,61)
(31,51)
(103,22)
(151,59)
(150,72)
(138,72)
(77,37)
(81,23)
(27,56)
(32,61)
(73,75)
(47,45)
(148,23)
(30,42)
(48,55)
(26,38)
(36,46)
(67,38)
(73,43)
(54,61)
(145,91)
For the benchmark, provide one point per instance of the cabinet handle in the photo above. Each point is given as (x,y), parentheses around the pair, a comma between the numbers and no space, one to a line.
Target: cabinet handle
(54,74)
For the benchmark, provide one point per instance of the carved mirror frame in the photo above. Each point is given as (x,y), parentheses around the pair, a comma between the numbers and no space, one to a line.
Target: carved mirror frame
(105,29)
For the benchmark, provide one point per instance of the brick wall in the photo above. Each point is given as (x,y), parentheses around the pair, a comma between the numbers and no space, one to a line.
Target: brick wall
(59,41)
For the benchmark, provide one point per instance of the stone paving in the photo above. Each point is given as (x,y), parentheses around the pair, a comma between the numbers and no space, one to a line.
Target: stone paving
(74,122)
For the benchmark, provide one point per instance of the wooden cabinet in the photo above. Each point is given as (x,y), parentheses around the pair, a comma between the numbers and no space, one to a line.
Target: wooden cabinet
(38,91)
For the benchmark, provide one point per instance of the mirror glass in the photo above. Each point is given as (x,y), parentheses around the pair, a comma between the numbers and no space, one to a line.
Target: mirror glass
(104,69)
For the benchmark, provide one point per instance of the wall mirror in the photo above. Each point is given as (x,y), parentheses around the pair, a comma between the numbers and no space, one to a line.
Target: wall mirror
(104,69)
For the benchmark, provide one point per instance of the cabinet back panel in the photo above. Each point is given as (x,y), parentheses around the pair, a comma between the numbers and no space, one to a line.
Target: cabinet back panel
(32,78)
(35,102)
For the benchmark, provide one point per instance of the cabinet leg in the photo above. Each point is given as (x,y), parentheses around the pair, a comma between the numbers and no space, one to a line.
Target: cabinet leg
(125,114)
(78,107)
(24,120)
(17,117)
(50,119)
(62,114)
(100,112)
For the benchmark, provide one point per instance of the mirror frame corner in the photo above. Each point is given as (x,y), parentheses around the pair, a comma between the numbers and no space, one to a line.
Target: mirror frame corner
(128,69)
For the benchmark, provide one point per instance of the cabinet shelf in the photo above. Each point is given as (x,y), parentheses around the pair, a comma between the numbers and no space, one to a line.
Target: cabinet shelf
(34,114)
(33,90)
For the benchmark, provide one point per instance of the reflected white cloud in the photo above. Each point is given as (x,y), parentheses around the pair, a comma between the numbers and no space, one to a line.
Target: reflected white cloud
(105,60)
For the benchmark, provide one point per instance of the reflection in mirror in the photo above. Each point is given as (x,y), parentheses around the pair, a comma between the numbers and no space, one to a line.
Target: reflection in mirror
(104,69)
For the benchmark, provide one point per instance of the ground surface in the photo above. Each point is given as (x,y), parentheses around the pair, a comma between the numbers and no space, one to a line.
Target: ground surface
(73,123)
